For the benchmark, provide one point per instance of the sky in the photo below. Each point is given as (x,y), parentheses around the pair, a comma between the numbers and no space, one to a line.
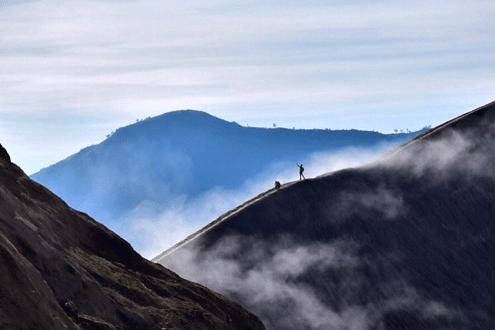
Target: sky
(73,71)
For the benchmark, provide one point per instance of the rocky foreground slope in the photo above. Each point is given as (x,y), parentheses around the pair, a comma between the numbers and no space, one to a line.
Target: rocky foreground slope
(59,269)
(405,243)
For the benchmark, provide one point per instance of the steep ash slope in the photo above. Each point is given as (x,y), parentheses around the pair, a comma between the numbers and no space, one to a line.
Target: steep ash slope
(62,270)
(404,243)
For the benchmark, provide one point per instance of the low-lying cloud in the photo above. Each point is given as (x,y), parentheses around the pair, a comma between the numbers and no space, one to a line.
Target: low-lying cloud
(153,228)
(270,286)
(276,280)
(386,202)
(467,154)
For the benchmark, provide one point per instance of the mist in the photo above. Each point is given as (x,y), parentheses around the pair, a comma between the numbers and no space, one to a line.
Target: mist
(465,154)
(271,279)
(153,228)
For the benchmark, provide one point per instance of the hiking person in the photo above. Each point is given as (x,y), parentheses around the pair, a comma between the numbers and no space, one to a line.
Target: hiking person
(301,171)
(277,185)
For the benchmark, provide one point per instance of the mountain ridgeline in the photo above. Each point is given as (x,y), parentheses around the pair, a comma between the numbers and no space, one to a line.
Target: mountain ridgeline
(184,153)
(407,242)
(62,270)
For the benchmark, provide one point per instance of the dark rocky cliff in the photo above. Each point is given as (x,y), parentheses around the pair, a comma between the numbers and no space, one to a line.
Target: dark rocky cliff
(62,270)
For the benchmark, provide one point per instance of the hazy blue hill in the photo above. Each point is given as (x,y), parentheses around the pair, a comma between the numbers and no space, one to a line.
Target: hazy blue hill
(184,153)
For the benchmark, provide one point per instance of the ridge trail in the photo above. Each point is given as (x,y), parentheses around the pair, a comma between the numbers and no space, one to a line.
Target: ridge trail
(224,217)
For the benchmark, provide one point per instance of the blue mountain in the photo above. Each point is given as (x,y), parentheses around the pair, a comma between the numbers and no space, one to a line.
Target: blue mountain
(184,153)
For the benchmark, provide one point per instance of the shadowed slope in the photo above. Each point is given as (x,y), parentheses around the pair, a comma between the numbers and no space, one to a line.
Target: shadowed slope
(62,270)
(404,243)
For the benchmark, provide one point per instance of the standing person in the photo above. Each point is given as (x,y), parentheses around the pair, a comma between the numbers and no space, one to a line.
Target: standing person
(301,171)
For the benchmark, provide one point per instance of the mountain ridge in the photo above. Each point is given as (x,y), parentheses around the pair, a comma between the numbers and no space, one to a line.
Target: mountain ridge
(404,242)
(196,114)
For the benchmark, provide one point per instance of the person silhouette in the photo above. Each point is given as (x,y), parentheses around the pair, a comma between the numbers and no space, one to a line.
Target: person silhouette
(301,171)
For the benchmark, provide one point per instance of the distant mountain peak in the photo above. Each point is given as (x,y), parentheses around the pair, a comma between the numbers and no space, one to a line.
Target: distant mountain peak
(177,118)
(186,114)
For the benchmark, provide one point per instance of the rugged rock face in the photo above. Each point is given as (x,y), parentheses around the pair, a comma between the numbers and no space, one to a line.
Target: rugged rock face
(62,270)
(4,155)
(405,243)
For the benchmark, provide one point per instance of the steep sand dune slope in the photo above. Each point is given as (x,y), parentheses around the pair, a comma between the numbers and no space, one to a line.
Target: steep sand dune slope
(407,242)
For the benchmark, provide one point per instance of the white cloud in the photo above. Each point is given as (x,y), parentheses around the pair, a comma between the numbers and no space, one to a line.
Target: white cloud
(298,63)
(465,153)
(270,280)
(152,228)
(387,203)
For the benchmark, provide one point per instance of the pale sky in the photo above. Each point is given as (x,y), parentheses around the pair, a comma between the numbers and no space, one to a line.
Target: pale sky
(73,71)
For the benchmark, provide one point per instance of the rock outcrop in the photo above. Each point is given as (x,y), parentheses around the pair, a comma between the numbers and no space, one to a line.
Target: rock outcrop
(60,269)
